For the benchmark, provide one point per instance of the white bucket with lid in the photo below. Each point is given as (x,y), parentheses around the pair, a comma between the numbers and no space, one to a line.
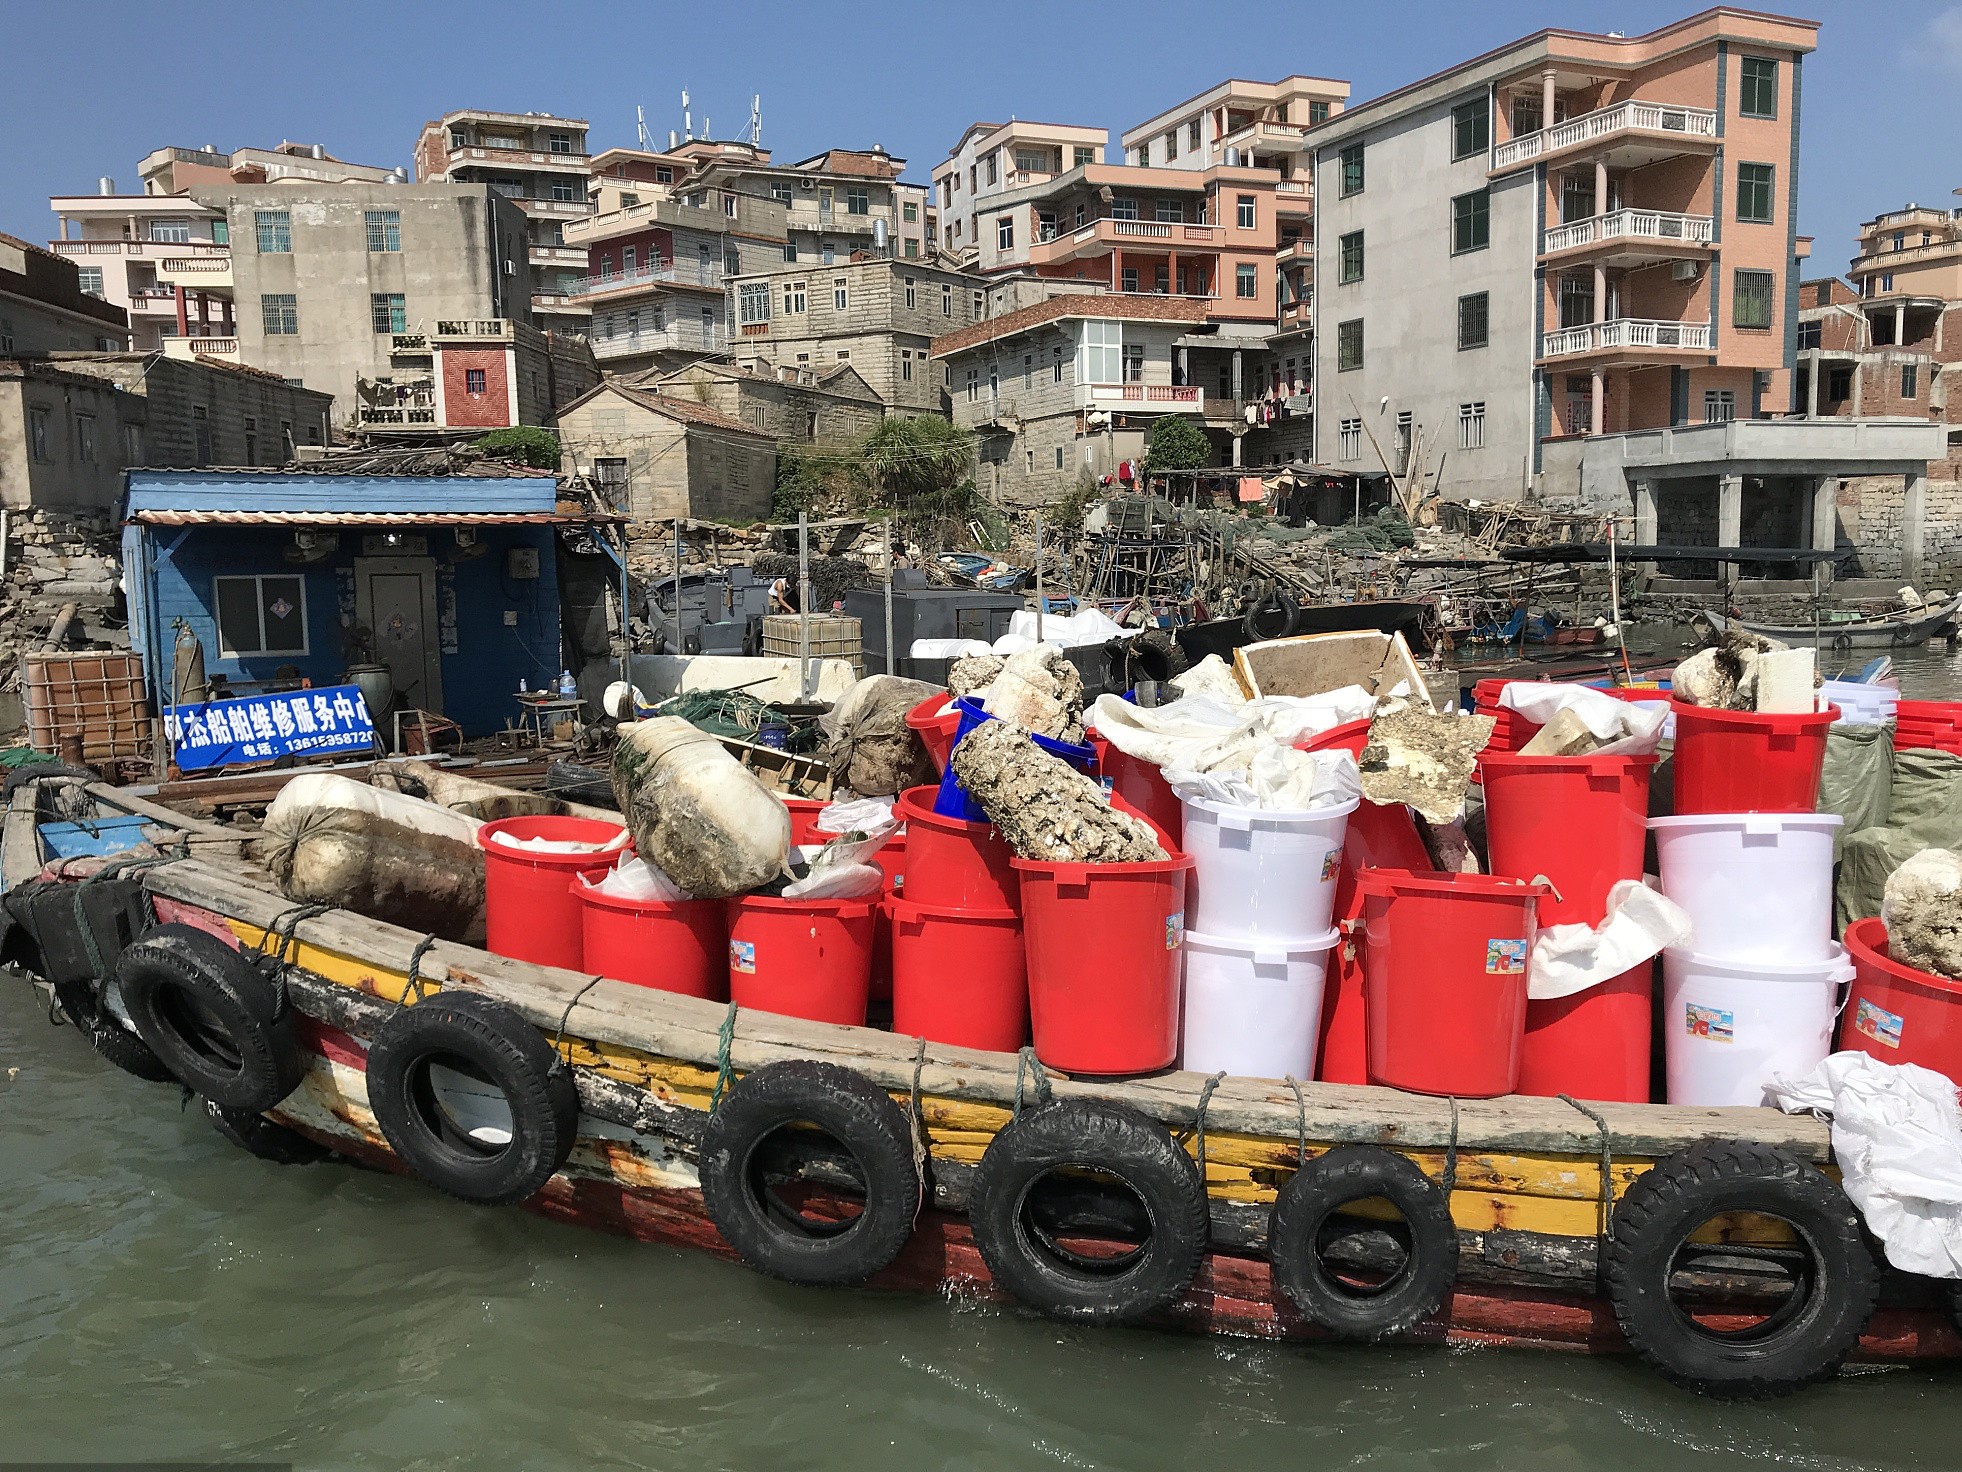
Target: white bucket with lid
(1254,1007)
(1728,1026)
(1757,886)
(1258,874)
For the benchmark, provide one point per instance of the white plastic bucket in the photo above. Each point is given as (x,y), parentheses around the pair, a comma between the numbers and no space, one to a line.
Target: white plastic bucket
(1254,1008)
(1861,704)
(1757,886)
(1260,875)
(1729,1026)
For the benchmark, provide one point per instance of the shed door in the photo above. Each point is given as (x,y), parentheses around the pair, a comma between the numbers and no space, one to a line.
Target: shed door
(395,598)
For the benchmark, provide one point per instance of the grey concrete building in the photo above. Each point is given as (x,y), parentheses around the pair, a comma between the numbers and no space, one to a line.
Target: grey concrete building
(793,408)
(878,315)
(72,423)
(43,308)
(835,202)
(325,277)
(659,456)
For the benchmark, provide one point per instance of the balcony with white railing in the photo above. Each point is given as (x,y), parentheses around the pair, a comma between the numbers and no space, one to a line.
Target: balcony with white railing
(1631,227)
(680,273)
(200,347)
(1627,333)
(476,329)
(210,272)
(1142,398)
(1099,237)
(1655,123)
(679,337)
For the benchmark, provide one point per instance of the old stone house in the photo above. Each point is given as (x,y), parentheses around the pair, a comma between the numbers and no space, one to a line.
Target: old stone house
(657,456)
(794,407)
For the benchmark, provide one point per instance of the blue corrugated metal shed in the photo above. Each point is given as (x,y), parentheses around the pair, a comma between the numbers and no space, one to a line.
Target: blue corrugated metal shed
(259,490)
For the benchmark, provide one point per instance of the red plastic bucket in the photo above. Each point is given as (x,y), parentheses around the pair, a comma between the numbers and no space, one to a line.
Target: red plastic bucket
(803,819)
(1742,761)
(1898,1014)
(950,861)
(802,958)
(1380,836)
(1594,1044)
(959,976)
(1581,822)
(1104,951)
(1444,957)
(530,911)
(1143,787)
(935,720)
(1350,736)
(673,946)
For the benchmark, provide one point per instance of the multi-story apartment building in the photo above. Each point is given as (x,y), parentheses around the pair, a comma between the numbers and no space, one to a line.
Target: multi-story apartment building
(877,314)
(1573,235)
(46,305)
(326,277)
(835,203)
(993,158)
(1262,125)
(657,261)
(164,259)
(540,163)
(177,170)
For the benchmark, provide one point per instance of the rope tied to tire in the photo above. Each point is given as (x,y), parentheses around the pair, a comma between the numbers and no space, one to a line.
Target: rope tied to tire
(1199,1121)
(1607,1161)
(423,948)
(272,963)
(1300,1121)
(918,1121)
(558,1039)
(117,868)
(1025,1059)
(725,1039)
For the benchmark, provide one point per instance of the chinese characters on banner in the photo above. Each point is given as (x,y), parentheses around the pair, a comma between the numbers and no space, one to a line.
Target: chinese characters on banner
(262,728)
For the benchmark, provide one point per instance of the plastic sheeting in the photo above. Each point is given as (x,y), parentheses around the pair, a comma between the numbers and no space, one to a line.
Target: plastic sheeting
(1640,925)
(1624,728)
(1200,734)
(1277,779)
(1897,1139)
(633,878)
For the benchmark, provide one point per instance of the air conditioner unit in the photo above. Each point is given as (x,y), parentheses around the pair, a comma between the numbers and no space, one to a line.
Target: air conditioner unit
(1685,271)
(510,268)
(810,184)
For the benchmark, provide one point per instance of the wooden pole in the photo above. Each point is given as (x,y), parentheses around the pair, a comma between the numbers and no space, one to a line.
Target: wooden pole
(892,659)
(804,605)
(1038,573)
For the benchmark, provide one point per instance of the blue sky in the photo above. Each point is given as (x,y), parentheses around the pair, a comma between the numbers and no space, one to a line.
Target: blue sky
(91,91)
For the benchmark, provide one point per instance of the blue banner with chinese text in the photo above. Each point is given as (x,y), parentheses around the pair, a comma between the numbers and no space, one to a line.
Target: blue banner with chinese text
(262,728)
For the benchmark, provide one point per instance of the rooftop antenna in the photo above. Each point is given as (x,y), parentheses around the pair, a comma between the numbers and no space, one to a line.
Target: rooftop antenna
(687,119)
(640,129)
(756,119)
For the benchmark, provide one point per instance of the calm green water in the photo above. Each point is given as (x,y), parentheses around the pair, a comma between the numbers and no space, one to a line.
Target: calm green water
(164,1297)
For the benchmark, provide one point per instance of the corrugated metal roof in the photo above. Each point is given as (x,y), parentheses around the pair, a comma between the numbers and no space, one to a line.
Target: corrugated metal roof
(371,518)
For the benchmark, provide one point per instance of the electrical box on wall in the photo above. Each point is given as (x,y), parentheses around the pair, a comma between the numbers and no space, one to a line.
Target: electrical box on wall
(521,562)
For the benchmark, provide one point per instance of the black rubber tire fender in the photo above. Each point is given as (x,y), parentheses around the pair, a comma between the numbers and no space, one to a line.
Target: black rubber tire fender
(261,1137)
(117,1045)
(853,1111)
(509,1057)
(211,1017)
(1276,616)
(1345,1175)
(1802,1341)
(1024,1254)
(1155,655)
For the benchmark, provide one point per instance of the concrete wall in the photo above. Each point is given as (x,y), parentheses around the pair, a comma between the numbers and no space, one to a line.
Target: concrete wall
(1408,304)
(693,471)
(463,256)
(784,411)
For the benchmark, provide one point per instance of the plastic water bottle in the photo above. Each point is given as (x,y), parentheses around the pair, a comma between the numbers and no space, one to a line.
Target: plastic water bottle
(567,688)
(523,687)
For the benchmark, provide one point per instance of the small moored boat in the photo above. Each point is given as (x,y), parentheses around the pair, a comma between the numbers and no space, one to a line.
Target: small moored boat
(1881,631)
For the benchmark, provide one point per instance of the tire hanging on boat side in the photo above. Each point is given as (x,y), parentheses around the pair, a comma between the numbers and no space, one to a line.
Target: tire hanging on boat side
(1154,655)
(82,1005)
(1036,1192)
(770,1132)
(211,1017)
(1347,1309)
(1790,1344)
(258,1136)
(472,1097)
(1275,616)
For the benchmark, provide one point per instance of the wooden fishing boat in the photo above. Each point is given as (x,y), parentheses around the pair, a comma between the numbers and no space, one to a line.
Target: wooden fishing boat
(1882,631)
(834,1154)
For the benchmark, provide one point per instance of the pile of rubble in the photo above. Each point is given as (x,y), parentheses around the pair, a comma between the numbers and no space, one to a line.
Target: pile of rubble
(62,569)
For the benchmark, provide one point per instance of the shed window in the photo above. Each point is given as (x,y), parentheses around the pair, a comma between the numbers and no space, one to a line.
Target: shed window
(261,615)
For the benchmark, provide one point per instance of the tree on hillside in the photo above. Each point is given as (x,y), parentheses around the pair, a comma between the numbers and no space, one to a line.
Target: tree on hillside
(921,468)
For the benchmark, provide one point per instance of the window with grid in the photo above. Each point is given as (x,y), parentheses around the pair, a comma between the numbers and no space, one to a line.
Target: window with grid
(1244,211)
(1124,209)
(1474,320)
(475,381)
(171,232)
(261,615)
(1349,345)
(1810,335)
(89,279)
(1085,157)
(1719,405)
(1471,128)
(389,312)
(858,200)
(1134,361)
(1757,93)
(753,302)
(1471,425)
(1351,248)
(1349,442)
(279,314)
(1471,221)
(1754,193)
(1005,232)
(385,231)
(1750,295)
(841,295)
(1246,282)
(1168,212)
(275,231)
(1352,169)
(1910,379)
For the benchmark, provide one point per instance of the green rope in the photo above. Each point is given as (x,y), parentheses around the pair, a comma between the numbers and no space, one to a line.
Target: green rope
(116,868)
(1300,1122)
(1607,1160)
(1199,1121)
(285,929)
(1026,1059)
(724,1041)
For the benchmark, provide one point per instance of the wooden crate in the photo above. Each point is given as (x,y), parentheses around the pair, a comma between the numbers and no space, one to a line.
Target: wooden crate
(833,636)
(100,694)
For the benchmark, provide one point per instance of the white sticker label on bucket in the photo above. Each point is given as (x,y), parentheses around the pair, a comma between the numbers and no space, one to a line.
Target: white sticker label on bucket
(1711,1023)
(1878,1023)
(1174,931)
(742,956)
(1505,957)
(1331,864)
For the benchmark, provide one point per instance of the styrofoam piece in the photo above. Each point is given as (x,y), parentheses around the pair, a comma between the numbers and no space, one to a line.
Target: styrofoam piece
(1728,1026)
(1758,887)
(1785,681)
(1254,1008)
(1264,875)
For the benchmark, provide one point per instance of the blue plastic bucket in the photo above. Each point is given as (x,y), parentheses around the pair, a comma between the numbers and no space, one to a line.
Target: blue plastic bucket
(953,801)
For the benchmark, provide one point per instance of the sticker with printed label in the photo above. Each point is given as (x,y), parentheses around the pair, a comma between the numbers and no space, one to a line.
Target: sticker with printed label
(1878,1023)
(1174,931)
(1331,864)
(1711,1023)
(742,956)
(1505,957)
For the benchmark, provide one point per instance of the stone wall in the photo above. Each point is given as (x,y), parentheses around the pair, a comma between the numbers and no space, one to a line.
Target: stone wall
(1872,520)
(54,558)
